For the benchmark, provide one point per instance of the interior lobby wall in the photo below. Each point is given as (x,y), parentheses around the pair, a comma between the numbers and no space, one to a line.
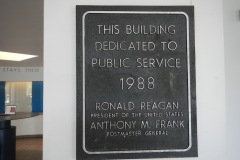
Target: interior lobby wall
(21,31)
(60,75)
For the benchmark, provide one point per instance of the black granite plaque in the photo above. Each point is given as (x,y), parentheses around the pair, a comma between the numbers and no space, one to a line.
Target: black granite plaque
(136,93)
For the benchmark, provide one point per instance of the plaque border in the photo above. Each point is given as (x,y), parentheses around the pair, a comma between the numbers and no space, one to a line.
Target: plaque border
(189,80)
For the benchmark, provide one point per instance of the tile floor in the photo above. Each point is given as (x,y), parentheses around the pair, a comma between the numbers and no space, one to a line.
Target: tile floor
(29,148)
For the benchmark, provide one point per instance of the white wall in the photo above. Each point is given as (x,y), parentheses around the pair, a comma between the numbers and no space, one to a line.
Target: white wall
(29,126)
(232,56)
(60,76)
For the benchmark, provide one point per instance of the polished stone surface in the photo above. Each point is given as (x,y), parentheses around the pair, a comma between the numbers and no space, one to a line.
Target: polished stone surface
(136,95)
(19,115)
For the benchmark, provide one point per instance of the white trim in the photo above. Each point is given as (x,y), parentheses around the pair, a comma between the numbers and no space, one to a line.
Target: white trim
(189,82)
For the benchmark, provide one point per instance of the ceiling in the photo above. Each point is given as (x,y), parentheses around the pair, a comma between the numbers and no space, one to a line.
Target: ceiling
(21,31)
